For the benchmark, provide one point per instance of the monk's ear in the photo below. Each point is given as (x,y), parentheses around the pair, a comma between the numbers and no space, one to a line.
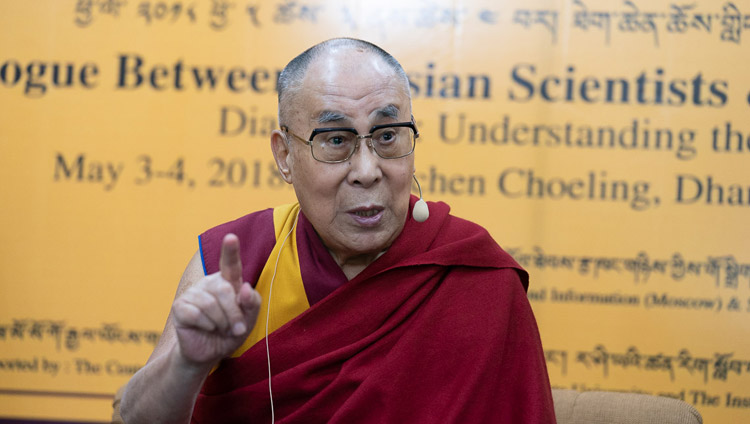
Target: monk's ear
(282,154)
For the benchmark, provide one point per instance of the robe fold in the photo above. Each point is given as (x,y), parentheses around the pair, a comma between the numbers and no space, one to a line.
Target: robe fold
(436,330)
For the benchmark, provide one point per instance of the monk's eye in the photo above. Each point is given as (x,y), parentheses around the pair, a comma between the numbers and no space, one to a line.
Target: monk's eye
(387,136)
(335,140)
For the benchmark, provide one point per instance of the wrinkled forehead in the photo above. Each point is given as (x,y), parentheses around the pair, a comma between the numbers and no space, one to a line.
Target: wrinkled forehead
(348,85)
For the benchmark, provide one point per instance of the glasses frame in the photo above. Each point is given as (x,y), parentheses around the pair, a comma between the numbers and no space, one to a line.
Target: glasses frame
(359,136)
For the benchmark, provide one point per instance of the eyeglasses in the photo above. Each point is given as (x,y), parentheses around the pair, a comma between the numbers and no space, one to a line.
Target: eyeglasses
(334,145)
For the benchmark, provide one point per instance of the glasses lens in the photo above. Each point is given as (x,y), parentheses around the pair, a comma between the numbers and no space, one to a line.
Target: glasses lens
(338,145)
(331,146)
(393,142)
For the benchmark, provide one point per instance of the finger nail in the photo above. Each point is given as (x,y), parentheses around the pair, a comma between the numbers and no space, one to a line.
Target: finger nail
(238,329)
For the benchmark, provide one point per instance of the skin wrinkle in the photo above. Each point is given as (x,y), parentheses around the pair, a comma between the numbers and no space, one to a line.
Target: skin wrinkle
(382,92)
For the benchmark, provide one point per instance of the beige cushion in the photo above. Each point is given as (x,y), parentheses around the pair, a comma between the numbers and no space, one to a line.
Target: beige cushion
(572,407)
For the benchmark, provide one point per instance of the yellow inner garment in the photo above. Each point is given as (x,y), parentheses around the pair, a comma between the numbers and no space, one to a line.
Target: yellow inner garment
(288,298)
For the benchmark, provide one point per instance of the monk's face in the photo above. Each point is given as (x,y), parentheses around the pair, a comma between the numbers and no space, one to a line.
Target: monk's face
(358,207)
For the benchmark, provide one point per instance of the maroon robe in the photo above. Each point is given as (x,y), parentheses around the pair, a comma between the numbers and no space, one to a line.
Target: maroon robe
(436,330)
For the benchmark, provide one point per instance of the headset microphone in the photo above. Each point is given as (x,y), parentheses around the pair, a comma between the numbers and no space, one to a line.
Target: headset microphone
(421,212)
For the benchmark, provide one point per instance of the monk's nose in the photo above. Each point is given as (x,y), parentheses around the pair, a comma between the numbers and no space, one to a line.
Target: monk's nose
(365,165)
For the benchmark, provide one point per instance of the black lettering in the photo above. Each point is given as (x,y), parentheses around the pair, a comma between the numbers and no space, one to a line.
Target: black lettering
(718,91)
(683,181)
(259,76)
(158,73)
(224,127)
(235,73)
(207,76)
(523,82)
(128,70)
(88,72)
(33,71)
(443,129)
(72,170)
(16,73)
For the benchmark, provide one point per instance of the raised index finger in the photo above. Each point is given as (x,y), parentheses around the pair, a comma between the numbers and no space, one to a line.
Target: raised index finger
(230,264)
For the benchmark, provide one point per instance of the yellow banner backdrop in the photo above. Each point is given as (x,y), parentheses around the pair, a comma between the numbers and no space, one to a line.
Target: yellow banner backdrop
(604,144)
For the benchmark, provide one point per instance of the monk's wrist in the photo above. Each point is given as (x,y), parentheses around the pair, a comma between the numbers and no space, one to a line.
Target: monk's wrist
(188,368)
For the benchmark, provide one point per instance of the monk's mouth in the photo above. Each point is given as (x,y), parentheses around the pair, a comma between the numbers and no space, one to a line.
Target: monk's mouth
(367,216)
(367,213)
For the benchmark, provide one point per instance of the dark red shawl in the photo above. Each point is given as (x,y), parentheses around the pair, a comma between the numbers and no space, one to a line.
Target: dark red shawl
(437,330)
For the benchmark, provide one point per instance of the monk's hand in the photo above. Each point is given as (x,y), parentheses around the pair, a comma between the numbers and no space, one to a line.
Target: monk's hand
(214,316)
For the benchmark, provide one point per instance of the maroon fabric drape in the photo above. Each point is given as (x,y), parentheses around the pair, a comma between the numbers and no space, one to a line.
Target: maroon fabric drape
(437,330)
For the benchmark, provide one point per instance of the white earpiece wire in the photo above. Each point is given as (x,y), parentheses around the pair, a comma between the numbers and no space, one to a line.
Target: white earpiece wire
(418,186)
(268,314)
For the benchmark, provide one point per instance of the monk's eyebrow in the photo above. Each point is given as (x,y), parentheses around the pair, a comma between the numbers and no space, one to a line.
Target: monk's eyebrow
(328,116)
(390,111)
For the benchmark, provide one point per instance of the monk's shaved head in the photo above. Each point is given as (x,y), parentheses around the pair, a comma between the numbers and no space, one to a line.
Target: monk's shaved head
(291,78)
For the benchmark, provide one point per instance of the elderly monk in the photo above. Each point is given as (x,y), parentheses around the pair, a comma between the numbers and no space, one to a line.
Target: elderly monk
(343,308)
